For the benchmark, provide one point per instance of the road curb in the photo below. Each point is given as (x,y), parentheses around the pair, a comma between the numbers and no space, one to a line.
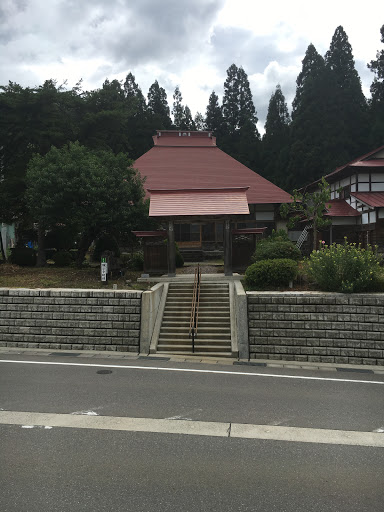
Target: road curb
(260,363)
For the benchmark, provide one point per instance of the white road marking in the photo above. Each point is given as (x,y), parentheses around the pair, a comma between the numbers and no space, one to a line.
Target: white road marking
(86,413)
(197,428)
(193,370)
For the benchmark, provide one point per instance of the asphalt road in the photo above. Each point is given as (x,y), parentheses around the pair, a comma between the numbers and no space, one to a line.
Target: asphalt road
(84,469)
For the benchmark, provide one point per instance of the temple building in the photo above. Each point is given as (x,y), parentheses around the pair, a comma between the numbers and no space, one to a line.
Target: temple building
(204,195)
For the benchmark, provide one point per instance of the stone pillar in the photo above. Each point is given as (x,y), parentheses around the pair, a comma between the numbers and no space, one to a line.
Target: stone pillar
(227,248)
(171,250)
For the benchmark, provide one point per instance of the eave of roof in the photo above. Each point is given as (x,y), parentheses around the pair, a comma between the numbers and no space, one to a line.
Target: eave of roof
(340,208)
(198,202)
(356,162)
(373,199)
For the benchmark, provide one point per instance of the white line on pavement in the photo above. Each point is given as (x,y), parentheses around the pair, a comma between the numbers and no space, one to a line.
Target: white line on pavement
(29,420)
(193,370)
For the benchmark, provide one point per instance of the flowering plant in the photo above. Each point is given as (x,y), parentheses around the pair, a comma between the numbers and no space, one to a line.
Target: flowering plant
(344,267)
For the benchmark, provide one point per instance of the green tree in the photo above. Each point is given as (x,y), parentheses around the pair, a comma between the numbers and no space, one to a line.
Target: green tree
(317,134)
(214,116)
(199,122)
(133,94)
(241,139)
(276,140)
(377,91)
(309,207)
(158,106)
(90,192)
(31,120)
(350,104)
(178,108)
(187,122)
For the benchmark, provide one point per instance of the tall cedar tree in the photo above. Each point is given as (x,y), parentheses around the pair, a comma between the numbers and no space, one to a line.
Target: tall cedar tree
(276,139)
(178,108)
(317,135)
(158,106)
(349,99)
(214,116)
(377,102)
(242,139)
(199,122)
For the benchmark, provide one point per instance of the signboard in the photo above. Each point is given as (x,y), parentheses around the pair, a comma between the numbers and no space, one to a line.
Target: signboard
(104,269)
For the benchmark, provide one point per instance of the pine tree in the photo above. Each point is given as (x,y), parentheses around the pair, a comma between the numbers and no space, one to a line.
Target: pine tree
(158,106)
(349,101)
(377,102)
(275,142)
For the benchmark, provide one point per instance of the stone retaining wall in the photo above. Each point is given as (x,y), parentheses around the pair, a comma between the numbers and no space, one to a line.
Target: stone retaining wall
(70,319)
(317,327)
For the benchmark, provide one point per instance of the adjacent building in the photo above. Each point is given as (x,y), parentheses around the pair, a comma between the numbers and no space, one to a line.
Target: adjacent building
(356,208)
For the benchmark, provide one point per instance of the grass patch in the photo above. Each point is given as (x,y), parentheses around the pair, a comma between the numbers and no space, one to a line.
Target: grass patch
(13,276)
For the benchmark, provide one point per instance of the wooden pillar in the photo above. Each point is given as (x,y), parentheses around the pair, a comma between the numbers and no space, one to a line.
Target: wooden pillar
(171,250)
(227,248)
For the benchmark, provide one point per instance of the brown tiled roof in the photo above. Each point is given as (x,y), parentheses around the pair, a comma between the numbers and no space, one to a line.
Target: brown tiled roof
(340,208)
(374,199)
(187,203)
(190,166)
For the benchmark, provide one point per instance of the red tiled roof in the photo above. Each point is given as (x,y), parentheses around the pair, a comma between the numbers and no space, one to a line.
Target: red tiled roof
(204,167)
(175,203)
(361,161)
(374,199)
(340,208)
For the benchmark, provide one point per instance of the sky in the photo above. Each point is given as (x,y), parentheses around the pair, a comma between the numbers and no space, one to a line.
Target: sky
(190,43)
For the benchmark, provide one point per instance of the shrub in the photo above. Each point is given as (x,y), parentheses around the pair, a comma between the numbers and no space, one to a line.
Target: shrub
(62,258)
(136,261)
(105,243)
(178,257)
(270,273)
(272,249)
(23,256)
(345,268)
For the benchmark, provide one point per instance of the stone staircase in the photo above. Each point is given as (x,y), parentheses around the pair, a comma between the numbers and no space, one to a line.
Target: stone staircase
(214,326)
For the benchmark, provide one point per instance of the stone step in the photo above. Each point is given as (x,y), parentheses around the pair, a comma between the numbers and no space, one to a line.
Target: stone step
(196,353)
(201,335)
(198,348)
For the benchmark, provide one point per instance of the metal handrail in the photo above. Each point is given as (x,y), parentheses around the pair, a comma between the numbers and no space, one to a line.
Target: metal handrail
(194,319)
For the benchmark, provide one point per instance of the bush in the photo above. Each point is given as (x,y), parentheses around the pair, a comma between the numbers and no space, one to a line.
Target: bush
(136,261)
(345,268)
(272,249)
(62,258)
(105,243)
(23,256)
(178,257)
(270,273)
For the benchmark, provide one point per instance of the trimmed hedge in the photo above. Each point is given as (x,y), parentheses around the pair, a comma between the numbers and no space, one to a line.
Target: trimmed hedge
(62,258)
(270,249)
(270,273)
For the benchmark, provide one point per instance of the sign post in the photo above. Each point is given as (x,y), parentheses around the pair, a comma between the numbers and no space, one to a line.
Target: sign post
(104,270)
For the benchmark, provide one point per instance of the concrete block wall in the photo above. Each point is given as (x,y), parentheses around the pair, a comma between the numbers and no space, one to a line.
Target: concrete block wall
(70,319)
(317,327)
